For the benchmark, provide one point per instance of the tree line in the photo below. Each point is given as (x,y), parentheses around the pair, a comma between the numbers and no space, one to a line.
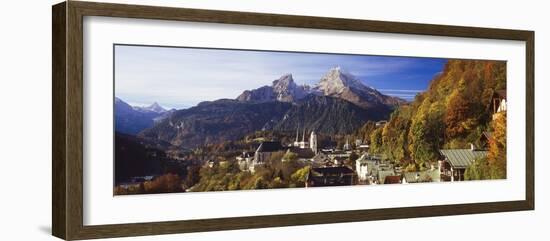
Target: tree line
(453,112)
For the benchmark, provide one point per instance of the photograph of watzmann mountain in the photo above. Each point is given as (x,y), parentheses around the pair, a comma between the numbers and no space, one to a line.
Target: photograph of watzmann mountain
(198,119)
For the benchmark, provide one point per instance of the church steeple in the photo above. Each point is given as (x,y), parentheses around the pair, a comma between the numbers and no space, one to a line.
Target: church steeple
(347,146)
(297,131)
(301,143)
(313,142)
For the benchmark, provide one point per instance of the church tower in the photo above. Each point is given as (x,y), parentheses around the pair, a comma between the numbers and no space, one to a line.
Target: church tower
(313,142)
(303,143)
(347,146)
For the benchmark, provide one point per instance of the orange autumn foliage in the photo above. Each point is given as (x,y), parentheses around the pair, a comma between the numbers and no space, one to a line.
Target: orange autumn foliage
(497,147)
(163,184)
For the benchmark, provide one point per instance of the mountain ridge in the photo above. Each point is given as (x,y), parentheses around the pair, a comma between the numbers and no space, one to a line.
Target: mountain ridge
(341,84)
(283,89)
(337,82)
(338,104)
(323,114)
(155,107)
(132,120)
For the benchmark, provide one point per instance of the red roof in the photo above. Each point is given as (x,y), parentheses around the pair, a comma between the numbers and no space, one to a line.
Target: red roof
(392,180)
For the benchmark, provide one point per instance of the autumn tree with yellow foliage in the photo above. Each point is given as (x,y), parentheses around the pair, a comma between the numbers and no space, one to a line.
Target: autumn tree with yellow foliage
(452,113)
(497,148)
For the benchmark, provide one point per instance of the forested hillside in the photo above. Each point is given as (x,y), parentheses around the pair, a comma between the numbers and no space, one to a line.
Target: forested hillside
(453,112)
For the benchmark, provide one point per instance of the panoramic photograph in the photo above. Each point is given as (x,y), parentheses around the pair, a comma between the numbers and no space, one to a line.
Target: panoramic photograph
(203,119)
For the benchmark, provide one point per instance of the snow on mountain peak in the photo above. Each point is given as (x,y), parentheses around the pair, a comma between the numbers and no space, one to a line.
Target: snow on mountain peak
(284,83)
(155,107)
(337,80)
(283,89)
(286,89)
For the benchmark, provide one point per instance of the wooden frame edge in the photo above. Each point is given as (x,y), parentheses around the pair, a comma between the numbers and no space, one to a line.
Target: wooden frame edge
(59,181)
(67,120)
(530,120)
(220,224)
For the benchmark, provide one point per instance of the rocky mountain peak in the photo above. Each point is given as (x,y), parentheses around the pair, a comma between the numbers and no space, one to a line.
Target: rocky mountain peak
(286,90)
(155,107)
(284,83)
(283,89)
(336,80)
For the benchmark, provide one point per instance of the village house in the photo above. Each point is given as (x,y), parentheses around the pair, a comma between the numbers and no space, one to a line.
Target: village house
(313,142)
(383,173)
(431,175)
(245,160)
(456,161)
(303,154)
(339,161)
(264,152)
(381,123)
(362,169)
(212,163)
(363,148)
(338,154)
(347,146)
(329,176)
(498,103)
(393,179)
(367,167)
(303,143)
(320,160)
(328,150)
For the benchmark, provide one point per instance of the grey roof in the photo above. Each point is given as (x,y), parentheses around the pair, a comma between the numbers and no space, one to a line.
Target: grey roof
(462,158)
(302,152)
(367,158)
(323,171)
(270,146)
(320,157)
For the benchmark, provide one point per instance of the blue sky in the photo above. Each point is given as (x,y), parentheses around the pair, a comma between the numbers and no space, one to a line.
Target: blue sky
(183,77)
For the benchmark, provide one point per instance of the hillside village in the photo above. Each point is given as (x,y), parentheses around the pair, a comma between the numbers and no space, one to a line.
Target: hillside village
(330,167)
(455,131)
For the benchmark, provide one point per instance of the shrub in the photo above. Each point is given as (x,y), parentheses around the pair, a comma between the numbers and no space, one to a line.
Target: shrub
(163,184)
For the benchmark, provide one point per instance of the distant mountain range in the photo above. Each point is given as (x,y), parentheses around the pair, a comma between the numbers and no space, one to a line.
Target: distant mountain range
(336,83)
(155,107)
(133,119)
(215,121)
(338,104)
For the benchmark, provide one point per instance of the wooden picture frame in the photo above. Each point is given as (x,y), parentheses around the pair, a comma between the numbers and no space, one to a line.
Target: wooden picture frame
(67,152)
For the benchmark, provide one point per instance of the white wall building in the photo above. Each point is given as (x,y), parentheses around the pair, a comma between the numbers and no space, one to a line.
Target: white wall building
(361,168)
(313,142)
